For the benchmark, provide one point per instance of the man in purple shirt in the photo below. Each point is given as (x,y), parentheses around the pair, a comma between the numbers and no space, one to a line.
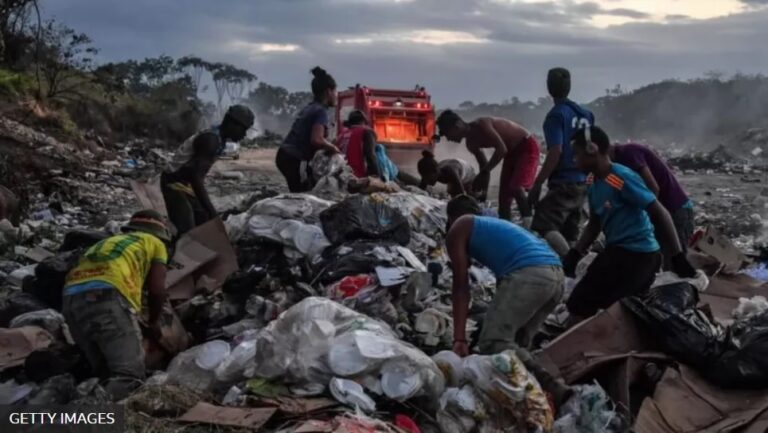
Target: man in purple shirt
(661,181)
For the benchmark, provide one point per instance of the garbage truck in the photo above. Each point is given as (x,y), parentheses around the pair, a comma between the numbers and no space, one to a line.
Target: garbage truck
(404,120)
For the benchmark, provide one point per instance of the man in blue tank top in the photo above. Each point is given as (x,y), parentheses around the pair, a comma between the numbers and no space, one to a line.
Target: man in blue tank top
(529,284)
(626,211)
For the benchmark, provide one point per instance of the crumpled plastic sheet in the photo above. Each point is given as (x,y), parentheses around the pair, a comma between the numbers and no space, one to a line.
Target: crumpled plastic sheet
(332,173)
(494,391)
(303,207)
(589,410)
(750,307)
(308,239)
(759,272)
(318,339)
(700,281)
(425,214)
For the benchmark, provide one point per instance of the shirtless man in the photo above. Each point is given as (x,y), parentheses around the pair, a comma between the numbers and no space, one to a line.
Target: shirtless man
(512,144)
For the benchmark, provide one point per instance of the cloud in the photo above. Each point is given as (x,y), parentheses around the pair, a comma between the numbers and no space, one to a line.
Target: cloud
(481,50)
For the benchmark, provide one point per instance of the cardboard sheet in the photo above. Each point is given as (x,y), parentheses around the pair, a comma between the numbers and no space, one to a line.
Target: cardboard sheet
(684,403)
(228,416)
(17,343)
(203,255)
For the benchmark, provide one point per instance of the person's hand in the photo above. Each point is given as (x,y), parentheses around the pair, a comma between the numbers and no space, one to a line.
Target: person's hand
(461,348)
(570,261)
(480,184)
(534,194)
(682,267)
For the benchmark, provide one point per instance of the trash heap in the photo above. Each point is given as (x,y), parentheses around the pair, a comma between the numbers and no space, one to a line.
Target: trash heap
(330,311)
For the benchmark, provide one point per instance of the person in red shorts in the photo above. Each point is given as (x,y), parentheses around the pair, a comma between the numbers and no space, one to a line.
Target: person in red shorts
(513,146)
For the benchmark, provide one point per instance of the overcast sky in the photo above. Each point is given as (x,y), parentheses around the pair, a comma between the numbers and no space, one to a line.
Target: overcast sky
(479,50)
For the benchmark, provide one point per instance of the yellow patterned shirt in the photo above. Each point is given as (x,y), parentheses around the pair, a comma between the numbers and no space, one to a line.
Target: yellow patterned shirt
(121,261)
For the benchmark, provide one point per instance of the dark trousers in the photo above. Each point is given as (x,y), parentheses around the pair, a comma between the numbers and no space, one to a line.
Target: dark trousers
(614,274)
(684,225)
(290,167)
(108,333)
(560,210)
(184,210)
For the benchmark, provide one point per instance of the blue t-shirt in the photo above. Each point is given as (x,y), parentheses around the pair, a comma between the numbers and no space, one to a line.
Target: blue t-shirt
(298,142)
(504,247)
(562,121)
(620,200)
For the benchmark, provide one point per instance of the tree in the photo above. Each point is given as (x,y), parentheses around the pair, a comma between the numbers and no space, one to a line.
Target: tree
(64,59)
(194,67)
(467,105)
(14,22)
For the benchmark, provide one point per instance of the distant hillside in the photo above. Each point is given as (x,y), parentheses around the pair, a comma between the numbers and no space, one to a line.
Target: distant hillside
(699,114)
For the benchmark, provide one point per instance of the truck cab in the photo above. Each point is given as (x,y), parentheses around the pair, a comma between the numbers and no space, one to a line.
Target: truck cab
(403,120)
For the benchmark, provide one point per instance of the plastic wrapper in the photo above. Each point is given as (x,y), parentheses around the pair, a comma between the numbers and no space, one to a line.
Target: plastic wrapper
(750,307)
(497,390)
(318,339)
(302,207)
(589,410)
(48,319)
(351,394)
(425,214)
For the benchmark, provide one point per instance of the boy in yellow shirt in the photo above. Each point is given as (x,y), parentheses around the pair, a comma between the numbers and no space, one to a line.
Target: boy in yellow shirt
(103,296)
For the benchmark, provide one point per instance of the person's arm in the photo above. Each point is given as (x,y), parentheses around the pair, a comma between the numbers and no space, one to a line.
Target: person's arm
(649,180)
(369,150)
(317,138)
(663,222)
(453,180)
(156,292)
(495,141)
(553,134)
(589,235)
(635,192)
(456,244)
(319,141)
(587,238)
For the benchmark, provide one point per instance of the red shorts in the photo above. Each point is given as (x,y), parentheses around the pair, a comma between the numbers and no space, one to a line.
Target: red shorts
(519,167)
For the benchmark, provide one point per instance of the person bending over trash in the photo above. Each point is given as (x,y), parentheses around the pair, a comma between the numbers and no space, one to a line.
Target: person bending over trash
(557,216)
(512,144)
(658,177)
(529,284)
(103,295)
(622,207)
(308,134)
(457,174)
(366,157)
(183,181)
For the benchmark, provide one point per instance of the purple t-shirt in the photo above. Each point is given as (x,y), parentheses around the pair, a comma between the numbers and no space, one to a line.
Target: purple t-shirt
(637,156)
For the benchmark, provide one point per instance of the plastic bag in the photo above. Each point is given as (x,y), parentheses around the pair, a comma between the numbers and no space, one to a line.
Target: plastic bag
(358,217)
(745,363)
(318,339)
(48,319)
(685,332)
(352,394)
(302,207)
(750,307)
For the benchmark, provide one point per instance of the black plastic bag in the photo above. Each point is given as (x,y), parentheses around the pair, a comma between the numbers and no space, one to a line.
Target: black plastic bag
(16,305)
(745,363)
(360,217)
(684,332)
(81,239)
(50,275)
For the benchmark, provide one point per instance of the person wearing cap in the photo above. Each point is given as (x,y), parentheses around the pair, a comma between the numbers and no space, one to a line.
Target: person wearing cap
(557,217)
(529,284)
(103,297)
(626,211)
(183,181)
(511,143)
